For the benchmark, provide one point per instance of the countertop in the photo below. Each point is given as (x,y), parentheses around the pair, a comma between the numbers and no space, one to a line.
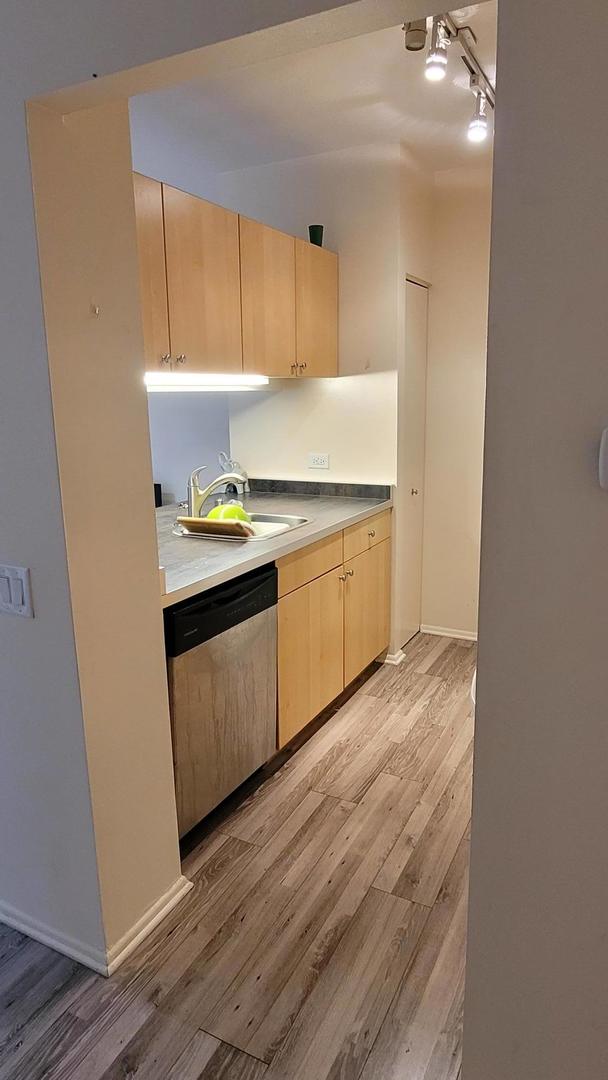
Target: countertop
(193,565)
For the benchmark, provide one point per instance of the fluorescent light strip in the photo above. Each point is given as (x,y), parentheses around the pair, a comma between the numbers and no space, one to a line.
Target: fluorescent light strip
(181,382)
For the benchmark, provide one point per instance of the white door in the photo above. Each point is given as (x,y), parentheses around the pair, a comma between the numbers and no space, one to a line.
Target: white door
(410,476)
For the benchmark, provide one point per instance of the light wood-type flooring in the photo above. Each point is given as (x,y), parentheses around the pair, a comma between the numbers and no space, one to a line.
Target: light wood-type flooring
(324,936)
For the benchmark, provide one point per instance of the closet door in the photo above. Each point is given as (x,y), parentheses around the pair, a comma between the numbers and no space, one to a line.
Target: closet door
(203,282)
(268,293)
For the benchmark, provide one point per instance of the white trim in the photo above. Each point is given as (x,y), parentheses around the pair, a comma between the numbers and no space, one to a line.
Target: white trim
(97,959)
(446,631)
(151,918)
(395,658)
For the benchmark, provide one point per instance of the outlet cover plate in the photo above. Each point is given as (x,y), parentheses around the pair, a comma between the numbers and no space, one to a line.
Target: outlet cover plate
(318,460)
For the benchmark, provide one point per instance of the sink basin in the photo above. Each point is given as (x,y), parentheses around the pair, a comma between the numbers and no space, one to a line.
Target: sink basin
(266,526)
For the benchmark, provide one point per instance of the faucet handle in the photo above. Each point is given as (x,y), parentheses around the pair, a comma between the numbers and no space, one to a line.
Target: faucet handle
(194,475)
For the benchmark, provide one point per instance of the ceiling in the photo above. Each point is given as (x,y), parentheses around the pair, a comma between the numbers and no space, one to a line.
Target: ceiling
(362,90)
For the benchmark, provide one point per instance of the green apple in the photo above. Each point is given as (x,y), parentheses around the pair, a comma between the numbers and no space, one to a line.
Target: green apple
(228,512)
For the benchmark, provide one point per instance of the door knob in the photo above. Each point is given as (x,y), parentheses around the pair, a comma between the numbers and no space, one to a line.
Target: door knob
(341,577)
(350,573)
(414,491)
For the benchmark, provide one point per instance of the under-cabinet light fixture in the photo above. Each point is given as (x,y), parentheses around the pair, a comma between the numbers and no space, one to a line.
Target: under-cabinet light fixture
(169,382)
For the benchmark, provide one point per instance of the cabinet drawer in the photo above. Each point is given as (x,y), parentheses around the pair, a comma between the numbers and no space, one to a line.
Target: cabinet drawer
(309,563)
(361,537)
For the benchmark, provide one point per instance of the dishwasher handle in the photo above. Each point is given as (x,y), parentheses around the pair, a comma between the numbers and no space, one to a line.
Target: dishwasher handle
(193,622)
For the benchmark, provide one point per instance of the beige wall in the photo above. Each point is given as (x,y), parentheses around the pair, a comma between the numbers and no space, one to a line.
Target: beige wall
(455,400)
(538,947)
(272,431)
(86,231)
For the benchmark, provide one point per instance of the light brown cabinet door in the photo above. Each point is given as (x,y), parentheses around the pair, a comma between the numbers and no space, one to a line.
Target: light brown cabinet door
(152,275)
(316,310)
(268,297)
(311,647)
(203,282)
(366,608)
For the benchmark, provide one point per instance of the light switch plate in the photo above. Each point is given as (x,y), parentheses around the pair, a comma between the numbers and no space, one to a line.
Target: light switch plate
(318,460)
(15,591)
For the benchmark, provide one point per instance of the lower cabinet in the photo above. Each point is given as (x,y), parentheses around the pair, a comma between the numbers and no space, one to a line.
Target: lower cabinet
(311,644)
(329,628)
(366,608)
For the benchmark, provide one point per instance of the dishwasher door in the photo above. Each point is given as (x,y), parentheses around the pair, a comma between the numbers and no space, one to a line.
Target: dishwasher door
(223,696)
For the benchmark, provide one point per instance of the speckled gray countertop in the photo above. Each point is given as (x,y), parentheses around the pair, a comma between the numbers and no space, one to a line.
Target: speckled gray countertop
(195,564)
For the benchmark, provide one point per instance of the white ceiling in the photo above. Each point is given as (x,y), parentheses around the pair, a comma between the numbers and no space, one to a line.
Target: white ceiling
(363,90)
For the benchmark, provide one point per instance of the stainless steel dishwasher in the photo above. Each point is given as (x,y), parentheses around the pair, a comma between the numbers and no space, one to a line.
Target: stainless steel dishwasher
(222,667)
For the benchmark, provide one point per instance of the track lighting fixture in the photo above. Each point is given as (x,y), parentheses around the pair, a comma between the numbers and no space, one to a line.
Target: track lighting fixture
(478,127)
(437,59)
(445,32)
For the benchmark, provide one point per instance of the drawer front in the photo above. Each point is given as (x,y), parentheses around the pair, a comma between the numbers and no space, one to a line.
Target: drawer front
(361,537)
(309,563)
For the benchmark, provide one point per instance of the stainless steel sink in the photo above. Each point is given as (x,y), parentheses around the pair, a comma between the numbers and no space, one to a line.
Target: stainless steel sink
(267,526)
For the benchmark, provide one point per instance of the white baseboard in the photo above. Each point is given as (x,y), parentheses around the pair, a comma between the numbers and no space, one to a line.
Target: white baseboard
(446,631)
(395,658)
(151,918)
(100,960)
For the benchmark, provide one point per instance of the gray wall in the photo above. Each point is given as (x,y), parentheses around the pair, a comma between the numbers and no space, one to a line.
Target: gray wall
(537,977)
(186,430)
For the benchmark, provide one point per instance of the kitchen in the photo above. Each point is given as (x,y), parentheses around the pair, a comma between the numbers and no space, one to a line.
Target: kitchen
(329,323)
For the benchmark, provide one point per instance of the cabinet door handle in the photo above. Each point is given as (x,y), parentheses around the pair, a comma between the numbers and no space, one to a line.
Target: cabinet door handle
(302,366)
(166,359)
(414,491)
(294,369)
(350,573)
(181,359)
(341,577)
(372,533)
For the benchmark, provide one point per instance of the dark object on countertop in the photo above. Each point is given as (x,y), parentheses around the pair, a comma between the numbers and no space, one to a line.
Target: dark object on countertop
(158,495)
(315,233)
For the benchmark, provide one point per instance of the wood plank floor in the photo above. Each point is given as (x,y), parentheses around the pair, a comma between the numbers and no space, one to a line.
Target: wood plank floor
(324,936)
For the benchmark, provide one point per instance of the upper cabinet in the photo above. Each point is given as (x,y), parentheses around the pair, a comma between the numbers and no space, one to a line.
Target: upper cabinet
(268,295)
(153,281)
(316,310)
(221,293)
(203,283)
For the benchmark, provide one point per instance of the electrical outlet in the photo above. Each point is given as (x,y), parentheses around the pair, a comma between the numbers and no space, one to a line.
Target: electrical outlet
(318,461)
(15,591)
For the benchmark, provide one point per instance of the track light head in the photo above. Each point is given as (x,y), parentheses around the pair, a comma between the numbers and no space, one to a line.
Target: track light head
(478,126)
(437,59)
(415,35)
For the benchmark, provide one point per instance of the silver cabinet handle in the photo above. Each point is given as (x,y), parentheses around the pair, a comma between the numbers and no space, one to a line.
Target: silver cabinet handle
(372,533)
(341,577)
(350,573)
(166,359)
(294,369)
(181,359)
(302,366)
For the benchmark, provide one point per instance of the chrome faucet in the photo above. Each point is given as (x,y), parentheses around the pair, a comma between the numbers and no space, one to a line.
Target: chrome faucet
(198,495)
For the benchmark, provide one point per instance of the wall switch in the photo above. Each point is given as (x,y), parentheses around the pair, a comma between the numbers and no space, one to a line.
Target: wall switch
(318,461)
(15,591)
